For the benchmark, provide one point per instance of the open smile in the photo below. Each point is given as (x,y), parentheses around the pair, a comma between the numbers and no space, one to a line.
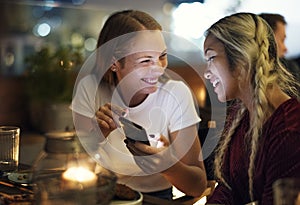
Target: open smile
(151,81)
(215,82)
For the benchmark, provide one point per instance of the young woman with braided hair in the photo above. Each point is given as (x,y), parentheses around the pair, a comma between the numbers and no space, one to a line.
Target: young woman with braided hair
(261,140)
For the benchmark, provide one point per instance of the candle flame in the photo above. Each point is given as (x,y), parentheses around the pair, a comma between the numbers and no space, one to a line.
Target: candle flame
(79,174)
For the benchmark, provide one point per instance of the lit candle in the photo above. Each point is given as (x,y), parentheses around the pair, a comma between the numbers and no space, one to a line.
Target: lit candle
(78,178)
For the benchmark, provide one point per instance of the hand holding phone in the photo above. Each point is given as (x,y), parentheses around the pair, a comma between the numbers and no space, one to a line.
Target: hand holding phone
(133,131)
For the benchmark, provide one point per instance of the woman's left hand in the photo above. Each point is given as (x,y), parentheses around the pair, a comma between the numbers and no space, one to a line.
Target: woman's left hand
(152,159)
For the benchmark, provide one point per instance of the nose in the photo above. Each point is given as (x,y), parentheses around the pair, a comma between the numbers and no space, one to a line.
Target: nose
(158,66)
(157,70)
(207,74)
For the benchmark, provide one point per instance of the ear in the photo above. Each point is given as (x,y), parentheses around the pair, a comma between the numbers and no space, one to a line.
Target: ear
(114,67)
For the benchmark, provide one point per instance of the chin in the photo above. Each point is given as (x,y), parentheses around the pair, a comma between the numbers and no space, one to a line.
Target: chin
(149,90)
(222,99)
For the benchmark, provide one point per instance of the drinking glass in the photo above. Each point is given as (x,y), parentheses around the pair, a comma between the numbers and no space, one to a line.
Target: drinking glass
(287,191)
(9,148)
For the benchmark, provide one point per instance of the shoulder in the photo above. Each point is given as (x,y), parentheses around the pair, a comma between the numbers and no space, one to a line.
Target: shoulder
(88,79)
(88,82)
(281,143)
(285,122)
(286,115)
(91,84)
(86,86)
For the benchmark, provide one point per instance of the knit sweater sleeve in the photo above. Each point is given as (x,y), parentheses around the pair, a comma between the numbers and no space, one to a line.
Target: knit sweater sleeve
(222,195)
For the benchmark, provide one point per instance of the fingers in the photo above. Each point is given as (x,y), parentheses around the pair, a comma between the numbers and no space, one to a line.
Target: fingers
(131,146)
(164,140)
(141,149)
(104,118)
(118,110)
(108,114)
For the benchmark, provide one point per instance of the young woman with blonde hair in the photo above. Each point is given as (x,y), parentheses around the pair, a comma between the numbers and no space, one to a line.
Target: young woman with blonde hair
(261,140)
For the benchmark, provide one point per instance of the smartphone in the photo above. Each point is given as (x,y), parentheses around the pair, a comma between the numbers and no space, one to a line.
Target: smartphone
(133,131)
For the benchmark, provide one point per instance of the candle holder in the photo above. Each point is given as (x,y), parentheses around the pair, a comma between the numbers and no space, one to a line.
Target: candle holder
(65,174)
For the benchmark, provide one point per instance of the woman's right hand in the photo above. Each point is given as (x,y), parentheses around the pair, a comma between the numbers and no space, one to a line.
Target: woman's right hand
(107,117)
(152,159)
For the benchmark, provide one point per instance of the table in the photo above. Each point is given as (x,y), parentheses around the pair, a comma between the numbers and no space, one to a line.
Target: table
(32,144)
(24,195)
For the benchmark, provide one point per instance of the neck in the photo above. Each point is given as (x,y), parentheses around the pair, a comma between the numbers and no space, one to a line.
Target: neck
(136,100)
(276,96)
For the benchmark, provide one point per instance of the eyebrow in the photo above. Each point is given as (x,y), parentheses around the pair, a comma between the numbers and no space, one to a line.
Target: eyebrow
(208,49)
(147,56)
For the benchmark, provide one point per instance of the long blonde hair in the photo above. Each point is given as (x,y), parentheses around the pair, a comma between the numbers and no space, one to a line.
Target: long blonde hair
(250,46)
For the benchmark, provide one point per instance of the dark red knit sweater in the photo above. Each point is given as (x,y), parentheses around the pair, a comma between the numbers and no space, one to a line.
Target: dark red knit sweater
(278,157)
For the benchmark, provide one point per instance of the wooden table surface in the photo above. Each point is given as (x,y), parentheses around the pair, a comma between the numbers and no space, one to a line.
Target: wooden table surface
(32,144)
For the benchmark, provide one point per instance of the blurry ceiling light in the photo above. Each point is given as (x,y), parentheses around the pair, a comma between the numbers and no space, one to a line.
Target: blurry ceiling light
(190,20)
(185,16)
(77,39)
(42,29)
(90,44)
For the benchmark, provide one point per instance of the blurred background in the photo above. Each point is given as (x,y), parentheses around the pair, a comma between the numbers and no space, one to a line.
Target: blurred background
(34,34)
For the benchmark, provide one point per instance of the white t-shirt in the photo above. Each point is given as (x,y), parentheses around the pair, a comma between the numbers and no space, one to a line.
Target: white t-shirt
(169,109)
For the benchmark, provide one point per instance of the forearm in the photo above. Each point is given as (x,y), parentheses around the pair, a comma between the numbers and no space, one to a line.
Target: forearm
(190,180)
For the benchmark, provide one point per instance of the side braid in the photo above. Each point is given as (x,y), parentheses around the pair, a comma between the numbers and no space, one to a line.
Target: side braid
(224,144)
(261,108)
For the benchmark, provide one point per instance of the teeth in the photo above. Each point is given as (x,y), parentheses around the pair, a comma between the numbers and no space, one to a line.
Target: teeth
(215,82)
(150,80)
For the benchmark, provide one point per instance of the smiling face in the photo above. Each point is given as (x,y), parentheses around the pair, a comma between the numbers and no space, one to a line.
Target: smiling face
(218,70)
(146,61)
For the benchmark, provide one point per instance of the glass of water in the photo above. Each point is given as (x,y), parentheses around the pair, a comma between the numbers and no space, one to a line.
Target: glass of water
(9,148)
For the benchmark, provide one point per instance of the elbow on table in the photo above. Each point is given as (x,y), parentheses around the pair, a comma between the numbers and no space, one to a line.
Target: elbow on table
(198,189)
